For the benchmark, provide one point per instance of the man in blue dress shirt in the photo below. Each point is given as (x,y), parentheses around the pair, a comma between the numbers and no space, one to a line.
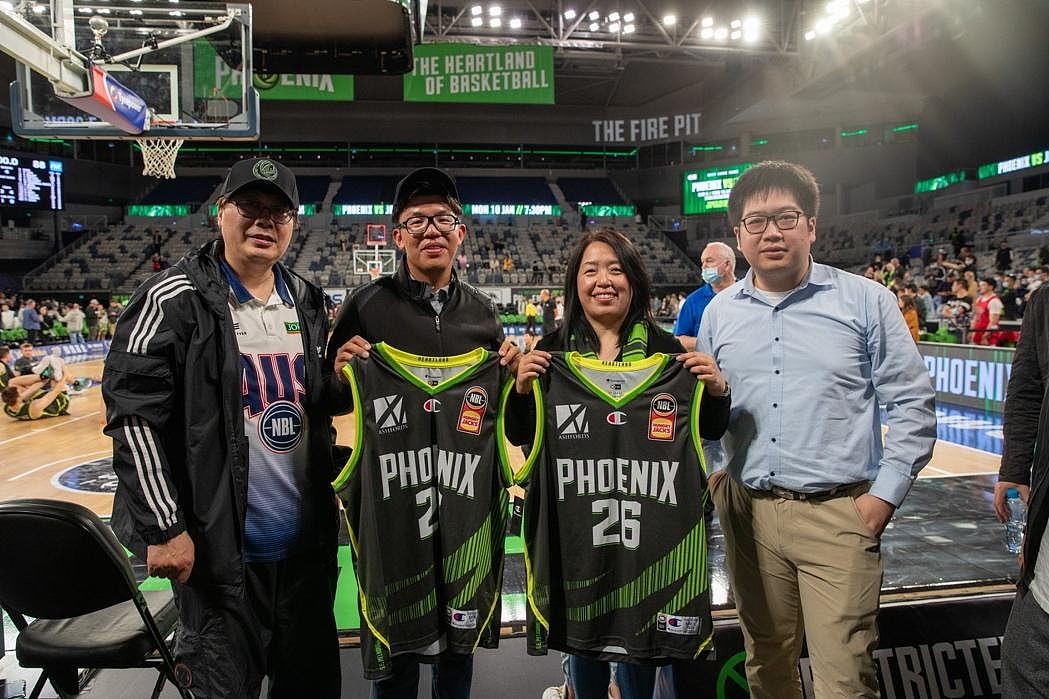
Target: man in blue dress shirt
(809,351)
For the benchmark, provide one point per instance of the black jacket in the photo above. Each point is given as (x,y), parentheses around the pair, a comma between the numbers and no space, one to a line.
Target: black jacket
(397,310)
(1025,458)
(520,419)
(172,386)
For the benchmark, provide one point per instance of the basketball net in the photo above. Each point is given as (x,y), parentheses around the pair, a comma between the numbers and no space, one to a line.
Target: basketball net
(158,156)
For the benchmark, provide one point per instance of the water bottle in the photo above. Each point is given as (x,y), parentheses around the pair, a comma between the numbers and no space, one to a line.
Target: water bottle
(1014,526)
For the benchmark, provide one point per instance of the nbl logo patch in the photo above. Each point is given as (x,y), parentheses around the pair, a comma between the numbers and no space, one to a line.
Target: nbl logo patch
(280,427)
(571,421)
(389,414)
(662,416)
(462,618)
(471,414)
(677,625)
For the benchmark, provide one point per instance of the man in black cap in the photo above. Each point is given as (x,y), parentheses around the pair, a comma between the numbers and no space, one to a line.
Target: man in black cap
(423,309)
(216,392)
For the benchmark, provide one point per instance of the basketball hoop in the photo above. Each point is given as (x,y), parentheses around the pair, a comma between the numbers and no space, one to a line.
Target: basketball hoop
(158,156)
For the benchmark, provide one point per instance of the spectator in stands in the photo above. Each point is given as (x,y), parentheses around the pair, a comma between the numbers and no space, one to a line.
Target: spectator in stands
(1042,256)
(888,273)
(462,262)
(549,308)
(987,311)
(559,317)
(7,317)
(958,309)
(1003,258)
(344,240)
(91,319)
(74,321)
(6,372)
(537,273)
(1012,301)
(508,263)
(958,242)
(926,306)
(112,314)
(47,324)
(1025,466)
(972,286)
(910,314)
(156,263)
(967,261)
(31,321)
(718,263)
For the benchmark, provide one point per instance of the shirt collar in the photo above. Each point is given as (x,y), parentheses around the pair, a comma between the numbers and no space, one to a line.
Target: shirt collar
(818,275)
(241,293)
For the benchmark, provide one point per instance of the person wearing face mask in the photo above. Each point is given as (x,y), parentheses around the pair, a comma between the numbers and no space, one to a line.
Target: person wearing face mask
(719,273)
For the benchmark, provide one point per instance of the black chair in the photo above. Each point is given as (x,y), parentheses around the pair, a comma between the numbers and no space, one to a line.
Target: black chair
(61,565)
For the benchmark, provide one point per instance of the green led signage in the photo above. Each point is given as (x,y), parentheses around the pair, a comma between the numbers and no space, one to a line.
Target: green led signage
(599,210)
(158,210)
(1012,165)
(940,182)
(707,190)
(519,74)
(468,210)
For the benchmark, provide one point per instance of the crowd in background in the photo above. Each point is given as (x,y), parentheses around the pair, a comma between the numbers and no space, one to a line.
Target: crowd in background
(47,321)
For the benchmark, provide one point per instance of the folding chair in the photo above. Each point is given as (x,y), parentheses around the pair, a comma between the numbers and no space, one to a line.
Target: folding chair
(63,567)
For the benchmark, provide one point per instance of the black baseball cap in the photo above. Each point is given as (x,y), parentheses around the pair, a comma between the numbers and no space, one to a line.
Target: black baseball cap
(424,181)
(262,173)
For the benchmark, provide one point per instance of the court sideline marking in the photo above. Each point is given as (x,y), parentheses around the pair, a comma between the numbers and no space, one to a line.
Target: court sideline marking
(68,458)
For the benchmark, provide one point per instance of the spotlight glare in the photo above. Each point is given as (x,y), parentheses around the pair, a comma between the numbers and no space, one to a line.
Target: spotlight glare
(570,14)
(735,35)
(594,26)
(135,13)
(823,26)
(594,16)
(515,23)
(628,17)
(495,11)
(614,27)
(175,13)
(810,35)
(628,29)
(751,36)
(103,10)
(83,10)
(495,23)
(707,22)
(706,33)
(476,22)
(736,23)
(39,9)
(613,17)
(6,6)
(476,10)
(669,21)
(751,23)
(721,33)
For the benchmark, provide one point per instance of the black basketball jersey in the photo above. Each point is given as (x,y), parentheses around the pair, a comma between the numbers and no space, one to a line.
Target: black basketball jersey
(615,541)
(426,502)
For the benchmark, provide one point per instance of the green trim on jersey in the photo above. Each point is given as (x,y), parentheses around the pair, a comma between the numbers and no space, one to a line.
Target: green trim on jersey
(580,365)
(358,433)
(399,359)
(697,441)
(500,434)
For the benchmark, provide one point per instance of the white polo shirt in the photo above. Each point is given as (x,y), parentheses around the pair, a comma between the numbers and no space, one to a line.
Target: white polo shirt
(273,388)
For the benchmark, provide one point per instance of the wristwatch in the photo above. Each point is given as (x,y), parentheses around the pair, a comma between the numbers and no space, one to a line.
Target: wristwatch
(728,391)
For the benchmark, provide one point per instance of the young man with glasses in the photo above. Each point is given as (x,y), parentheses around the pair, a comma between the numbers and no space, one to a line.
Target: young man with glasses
(804,487)
(425,309)
(217,392)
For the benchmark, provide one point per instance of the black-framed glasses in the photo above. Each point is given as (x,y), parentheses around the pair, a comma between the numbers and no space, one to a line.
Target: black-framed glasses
(254,211)
(785,221)
(417,225)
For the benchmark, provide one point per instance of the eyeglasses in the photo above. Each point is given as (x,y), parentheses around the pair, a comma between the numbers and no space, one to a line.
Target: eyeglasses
(417,225)
(253,210)
(785,221)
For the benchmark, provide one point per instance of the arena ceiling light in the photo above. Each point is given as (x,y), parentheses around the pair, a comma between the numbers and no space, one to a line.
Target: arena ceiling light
(669,20)
(594,26)
(707,22)
(570,14)
(495,11)
(476,21)
(515,23)
(594,16)
(476,10)
(613,17)
(495,22)
(836,12)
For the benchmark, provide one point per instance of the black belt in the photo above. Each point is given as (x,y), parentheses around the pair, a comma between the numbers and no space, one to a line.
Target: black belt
(837,491)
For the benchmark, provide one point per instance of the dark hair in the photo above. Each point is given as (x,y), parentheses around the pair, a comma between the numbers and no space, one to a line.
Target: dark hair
(575,322)
(991,282)
(771,176)
(4,351)
(9,395)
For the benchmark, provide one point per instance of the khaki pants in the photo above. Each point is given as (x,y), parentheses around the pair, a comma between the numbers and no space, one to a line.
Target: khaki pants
(802,568)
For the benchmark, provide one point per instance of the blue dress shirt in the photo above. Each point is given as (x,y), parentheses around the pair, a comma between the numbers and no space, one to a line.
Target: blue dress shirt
(807,376)
(691,313)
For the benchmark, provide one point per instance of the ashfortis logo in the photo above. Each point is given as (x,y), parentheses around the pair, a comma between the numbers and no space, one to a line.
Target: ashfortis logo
(280,427)
(389,414)
(265,170)
(617,417)
(571,421)
(432,406)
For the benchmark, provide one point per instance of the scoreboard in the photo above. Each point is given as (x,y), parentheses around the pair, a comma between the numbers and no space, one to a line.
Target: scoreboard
(31,181)
(705,191)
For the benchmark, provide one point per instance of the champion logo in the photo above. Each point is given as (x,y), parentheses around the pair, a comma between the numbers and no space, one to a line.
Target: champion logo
(617,417)
(432,406)
(389,413)
(571,420)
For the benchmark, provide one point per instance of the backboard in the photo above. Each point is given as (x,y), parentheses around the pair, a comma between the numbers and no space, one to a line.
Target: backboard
(186,60)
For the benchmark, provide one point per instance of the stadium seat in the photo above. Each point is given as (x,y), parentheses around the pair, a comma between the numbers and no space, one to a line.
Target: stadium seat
(64,568)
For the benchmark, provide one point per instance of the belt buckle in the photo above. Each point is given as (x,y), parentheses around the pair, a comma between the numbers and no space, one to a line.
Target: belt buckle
(787,494)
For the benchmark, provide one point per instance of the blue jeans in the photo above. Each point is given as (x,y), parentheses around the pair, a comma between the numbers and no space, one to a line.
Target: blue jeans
(75,337)
(590,679)
(452,677)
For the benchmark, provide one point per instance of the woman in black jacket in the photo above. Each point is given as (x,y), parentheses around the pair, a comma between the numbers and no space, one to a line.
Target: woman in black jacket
(608,316)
